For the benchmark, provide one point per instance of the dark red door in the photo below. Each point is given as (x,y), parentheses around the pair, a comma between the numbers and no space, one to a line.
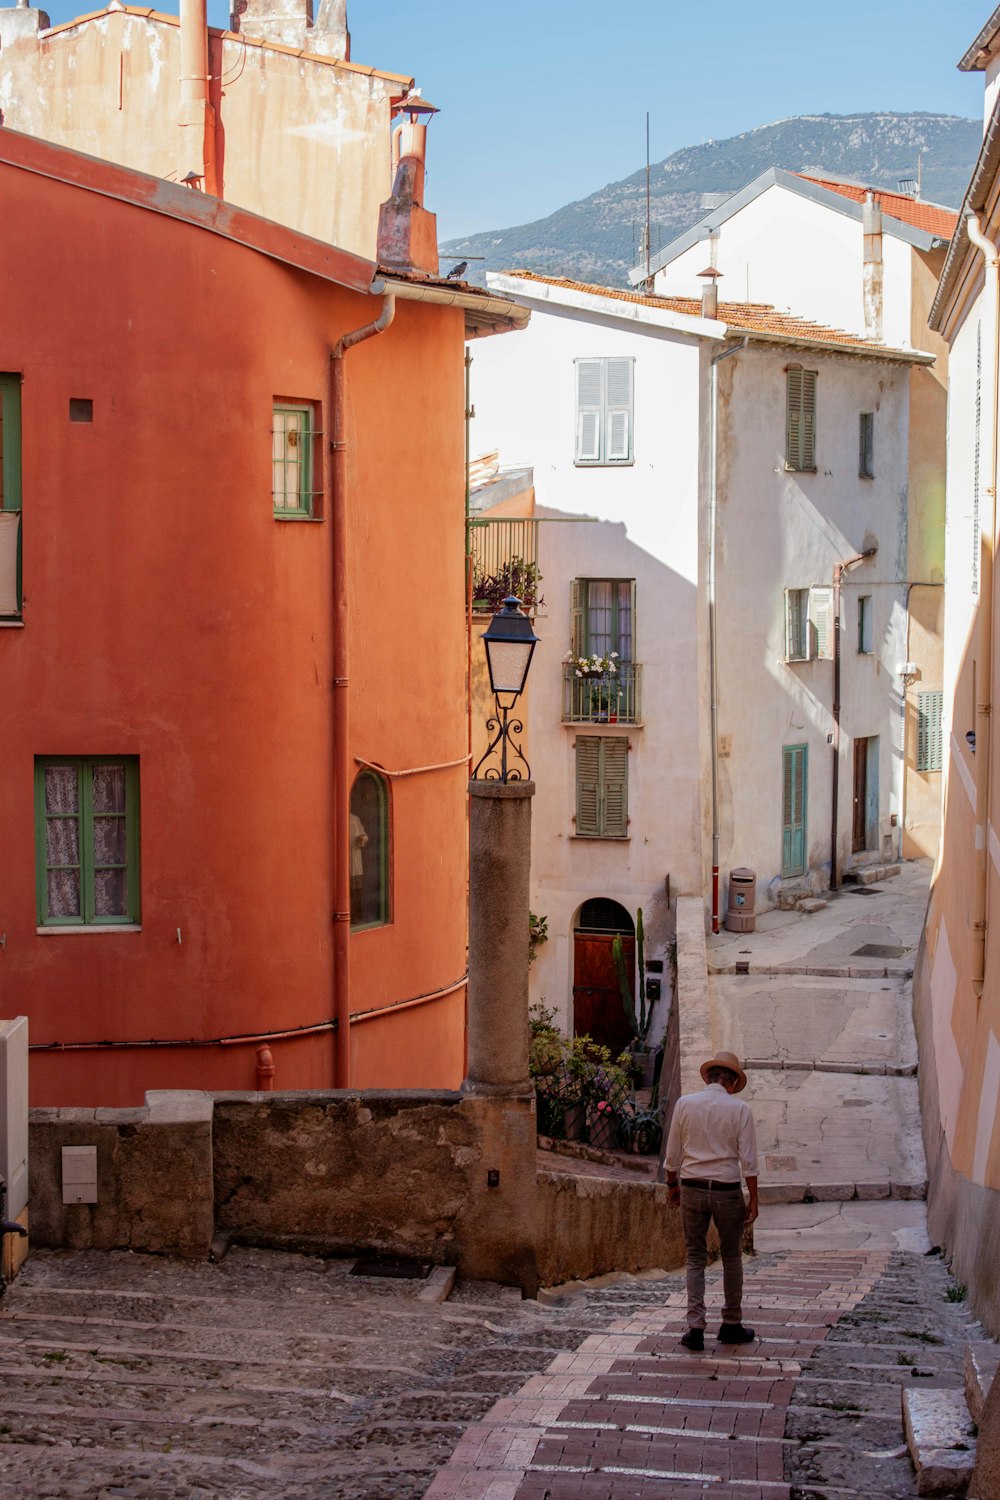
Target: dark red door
(598,1011)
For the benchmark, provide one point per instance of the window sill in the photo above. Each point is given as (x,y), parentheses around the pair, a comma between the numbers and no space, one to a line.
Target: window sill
(293,515)
(791,469)
(600,838)
(604,463)
(88,928)
(370,927)
(593,726)
(11,624)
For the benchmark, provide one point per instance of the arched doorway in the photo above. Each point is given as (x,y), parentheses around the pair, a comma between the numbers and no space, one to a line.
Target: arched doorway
(598,1009)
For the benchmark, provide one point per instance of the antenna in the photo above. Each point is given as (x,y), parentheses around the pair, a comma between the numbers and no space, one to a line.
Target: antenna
(648,287)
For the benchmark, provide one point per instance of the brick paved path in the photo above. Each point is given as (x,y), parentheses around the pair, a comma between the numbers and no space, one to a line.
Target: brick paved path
(631,1415)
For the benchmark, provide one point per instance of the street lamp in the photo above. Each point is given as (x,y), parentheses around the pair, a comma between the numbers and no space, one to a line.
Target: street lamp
(510,644)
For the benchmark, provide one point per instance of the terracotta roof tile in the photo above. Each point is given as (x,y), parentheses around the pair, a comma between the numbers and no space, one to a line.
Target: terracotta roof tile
(930,217)
(739,317)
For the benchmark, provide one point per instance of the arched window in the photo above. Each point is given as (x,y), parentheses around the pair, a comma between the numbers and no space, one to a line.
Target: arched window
(369,836)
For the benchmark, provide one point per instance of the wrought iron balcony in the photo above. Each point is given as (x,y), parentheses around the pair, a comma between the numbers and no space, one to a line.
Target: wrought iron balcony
(504,559)
(604,698)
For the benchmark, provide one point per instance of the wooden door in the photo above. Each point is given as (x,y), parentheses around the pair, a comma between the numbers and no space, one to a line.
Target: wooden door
(598,1010)
(859,818)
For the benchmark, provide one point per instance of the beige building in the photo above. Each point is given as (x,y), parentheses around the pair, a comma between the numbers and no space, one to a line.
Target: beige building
(273,117)
(957,980)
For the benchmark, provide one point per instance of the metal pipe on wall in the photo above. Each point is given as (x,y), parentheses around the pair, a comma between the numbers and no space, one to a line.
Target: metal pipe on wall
(196,118)
(838,576)
(984,625)
(337,505)
(713,659)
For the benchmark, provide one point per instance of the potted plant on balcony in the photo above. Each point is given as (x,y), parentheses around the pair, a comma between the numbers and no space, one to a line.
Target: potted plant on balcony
(601,671)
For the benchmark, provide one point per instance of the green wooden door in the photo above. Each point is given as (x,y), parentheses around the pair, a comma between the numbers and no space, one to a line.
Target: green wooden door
(794,761)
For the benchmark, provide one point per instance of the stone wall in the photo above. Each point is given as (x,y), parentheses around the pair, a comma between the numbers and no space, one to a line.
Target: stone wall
(589,1225)
(154,1176)
(445,1177)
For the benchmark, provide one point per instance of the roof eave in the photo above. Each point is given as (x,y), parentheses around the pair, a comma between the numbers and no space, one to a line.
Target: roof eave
(484,314)
(831,346)
(973,61)
(983,174)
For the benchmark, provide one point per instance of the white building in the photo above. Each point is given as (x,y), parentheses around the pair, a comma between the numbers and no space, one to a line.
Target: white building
(867,261)
(609,396)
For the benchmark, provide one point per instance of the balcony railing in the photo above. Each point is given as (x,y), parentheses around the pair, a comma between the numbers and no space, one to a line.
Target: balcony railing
(609,698)
(504,555)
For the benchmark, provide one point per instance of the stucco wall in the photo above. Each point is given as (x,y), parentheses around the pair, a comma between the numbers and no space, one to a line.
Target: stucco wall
(168,615)
(302,140)
(785,249)
(795,527)
(340,1173)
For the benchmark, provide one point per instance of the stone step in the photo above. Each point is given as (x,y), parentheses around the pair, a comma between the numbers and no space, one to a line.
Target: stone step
(940,1435)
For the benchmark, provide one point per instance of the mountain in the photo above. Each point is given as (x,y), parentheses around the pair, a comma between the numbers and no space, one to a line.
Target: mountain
(597,238)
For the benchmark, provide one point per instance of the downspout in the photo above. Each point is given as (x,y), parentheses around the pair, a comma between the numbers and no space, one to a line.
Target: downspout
(337,510)
(713,659)
(984,624)
(838,574)
(196,118)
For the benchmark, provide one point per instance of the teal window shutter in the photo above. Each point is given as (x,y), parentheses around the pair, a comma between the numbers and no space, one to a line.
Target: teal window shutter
(930,747)
(794,789)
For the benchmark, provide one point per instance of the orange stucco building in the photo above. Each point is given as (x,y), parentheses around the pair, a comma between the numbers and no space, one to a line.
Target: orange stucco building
(233,648)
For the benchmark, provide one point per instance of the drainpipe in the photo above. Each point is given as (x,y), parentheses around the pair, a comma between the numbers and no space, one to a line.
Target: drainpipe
(838,573)
(196,118)
(337,510)
(713,660)
(984,626)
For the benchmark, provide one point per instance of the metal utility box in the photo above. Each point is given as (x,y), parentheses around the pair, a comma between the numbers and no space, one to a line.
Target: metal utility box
(741,915)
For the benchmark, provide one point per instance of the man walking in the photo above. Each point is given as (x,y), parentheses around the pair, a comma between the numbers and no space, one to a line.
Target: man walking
(711,1138)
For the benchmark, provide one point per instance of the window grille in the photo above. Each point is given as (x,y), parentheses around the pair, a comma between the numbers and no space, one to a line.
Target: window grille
(293,466)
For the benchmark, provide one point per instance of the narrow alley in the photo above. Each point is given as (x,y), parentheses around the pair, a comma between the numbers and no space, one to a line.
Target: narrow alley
(130,1376)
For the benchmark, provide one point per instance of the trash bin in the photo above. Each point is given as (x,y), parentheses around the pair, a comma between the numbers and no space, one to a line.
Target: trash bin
(741,916)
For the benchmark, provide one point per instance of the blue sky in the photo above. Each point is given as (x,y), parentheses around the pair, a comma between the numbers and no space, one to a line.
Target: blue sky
(544,101)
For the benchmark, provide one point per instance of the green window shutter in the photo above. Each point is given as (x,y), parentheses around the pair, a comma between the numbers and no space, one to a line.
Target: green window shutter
(588,784)
(866,454)
(794,762)
(800,418)
(930,746)
(615,780)
(796,645)
(578,615)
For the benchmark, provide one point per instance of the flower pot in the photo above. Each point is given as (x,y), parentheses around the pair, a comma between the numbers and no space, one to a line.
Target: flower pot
(601,1129)
(575,1121)
(645,1063)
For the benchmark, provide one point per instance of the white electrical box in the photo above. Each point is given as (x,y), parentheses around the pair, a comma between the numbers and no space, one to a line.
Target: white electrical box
(79,1174)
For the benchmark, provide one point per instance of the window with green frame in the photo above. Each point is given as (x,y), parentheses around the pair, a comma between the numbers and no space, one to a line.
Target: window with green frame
(293,467)
(603,617)
(87,840)
(369,836)
(10,497)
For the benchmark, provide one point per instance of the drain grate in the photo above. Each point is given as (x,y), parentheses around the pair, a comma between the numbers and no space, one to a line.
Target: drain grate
(865,890)
(391,1266)
(878,950)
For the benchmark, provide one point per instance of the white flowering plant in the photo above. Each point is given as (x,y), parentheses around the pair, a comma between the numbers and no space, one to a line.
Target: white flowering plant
(592,666)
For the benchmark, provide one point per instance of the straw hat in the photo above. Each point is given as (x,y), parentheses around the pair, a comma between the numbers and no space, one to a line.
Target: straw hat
(726,1060)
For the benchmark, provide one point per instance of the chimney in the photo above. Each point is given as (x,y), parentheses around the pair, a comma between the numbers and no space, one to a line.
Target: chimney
(872,276)
(710,292)
(290,23)
(196,160)
(407,233)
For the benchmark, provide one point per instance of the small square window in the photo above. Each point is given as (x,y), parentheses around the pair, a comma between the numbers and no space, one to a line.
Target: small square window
(81,409)
(293,460)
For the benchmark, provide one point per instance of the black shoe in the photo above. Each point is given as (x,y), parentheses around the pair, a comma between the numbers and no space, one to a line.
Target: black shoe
(735,1333)
(694,1340)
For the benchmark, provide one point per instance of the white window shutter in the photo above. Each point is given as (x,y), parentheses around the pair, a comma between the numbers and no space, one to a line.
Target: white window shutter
(618,446)
(821,621)
(589,409)
(618,393)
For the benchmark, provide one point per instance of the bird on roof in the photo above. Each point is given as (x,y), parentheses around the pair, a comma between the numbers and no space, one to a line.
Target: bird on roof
(458,271)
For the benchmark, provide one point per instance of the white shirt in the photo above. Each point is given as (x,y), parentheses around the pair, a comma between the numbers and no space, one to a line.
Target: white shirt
(712,1136)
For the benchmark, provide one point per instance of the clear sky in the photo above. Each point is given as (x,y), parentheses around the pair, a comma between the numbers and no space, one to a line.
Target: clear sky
(544,101)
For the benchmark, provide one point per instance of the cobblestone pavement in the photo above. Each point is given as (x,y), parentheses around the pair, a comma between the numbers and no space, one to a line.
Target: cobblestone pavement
(281,1376)
(810,1411)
